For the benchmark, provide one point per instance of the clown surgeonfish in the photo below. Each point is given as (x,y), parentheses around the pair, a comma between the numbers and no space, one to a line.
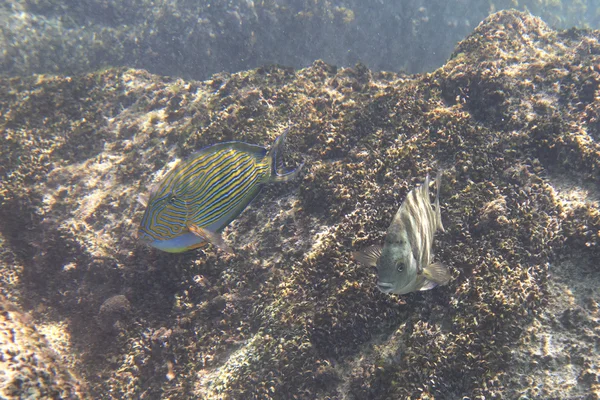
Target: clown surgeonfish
(199,197)
(405,262)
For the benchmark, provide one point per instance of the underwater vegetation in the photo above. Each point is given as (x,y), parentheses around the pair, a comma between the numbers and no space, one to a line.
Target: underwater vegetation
(512,120)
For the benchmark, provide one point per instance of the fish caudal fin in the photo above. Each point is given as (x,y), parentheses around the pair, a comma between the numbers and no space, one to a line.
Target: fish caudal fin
(438,213)
(275,156)
(369,256)
(438,273)
(213,238)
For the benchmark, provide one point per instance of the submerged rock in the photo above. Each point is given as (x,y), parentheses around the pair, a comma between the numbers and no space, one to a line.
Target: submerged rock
(29,369)
(511,119)
(113,312)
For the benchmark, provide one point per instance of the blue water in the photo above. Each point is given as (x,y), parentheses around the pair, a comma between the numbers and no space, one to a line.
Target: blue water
(194,39)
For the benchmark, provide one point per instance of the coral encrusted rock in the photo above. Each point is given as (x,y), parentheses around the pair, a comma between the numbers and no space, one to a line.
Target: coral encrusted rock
(511,119)
(28,368)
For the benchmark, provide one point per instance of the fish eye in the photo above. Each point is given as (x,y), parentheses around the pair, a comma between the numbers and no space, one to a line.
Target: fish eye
(400,266)
(172,199)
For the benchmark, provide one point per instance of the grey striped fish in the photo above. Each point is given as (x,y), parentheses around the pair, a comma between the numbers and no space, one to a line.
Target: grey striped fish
(405,262)
(198,198)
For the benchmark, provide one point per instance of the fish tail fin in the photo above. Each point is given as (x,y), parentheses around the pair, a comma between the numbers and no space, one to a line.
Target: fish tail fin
(438,213)
(275,157)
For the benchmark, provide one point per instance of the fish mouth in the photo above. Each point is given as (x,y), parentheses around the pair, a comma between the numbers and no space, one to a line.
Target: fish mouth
(385,287)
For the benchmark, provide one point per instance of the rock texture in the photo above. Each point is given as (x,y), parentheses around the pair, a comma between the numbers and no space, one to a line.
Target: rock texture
(29,369)
(512,119)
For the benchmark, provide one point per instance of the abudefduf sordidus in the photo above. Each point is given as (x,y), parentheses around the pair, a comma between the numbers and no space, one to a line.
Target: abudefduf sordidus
(198,198)
(405,262)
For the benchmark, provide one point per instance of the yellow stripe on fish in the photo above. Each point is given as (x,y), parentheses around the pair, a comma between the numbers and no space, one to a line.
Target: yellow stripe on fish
(198,198)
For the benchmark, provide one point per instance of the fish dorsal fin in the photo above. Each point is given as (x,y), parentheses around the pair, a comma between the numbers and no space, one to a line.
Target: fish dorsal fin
(213,238)
(437,273)
(425,187)
(257,151)
(438,213)
(368,256)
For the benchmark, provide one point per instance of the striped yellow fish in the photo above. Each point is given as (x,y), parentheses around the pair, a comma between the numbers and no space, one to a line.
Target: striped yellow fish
(405,262)
(198,198)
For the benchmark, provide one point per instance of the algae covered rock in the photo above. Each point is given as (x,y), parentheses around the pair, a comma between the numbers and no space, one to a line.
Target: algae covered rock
(510,119)
(29,368)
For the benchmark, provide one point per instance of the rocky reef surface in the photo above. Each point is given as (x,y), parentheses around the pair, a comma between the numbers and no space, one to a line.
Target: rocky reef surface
(513,120)
(194,39)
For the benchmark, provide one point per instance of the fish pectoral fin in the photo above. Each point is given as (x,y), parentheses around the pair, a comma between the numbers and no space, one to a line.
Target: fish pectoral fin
(212,237)
(368,256)
(428,285)
(437,273)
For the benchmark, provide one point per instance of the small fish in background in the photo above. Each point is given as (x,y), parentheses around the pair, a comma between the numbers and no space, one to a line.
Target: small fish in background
(198,198)
(405,262)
